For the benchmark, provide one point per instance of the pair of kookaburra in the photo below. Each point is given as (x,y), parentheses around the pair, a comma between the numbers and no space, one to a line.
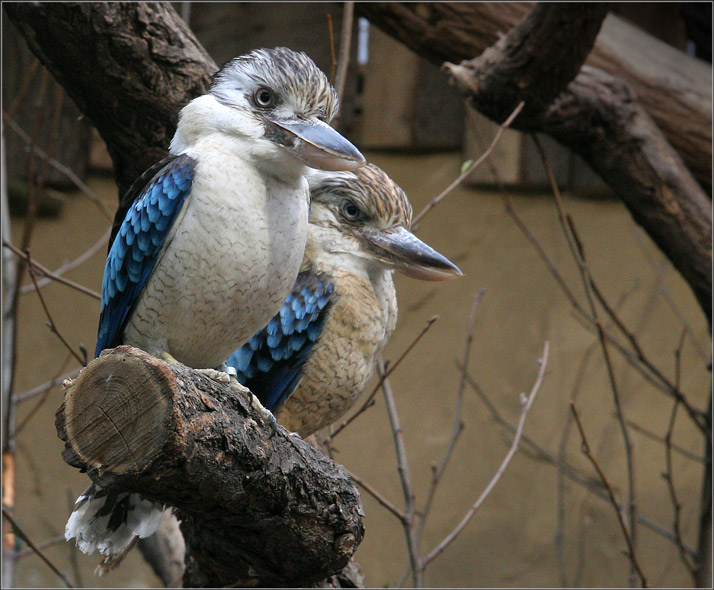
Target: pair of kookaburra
(263,247)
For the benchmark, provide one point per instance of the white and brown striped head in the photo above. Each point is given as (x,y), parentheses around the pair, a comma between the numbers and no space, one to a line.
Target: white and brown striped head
(364,217)
(277,99)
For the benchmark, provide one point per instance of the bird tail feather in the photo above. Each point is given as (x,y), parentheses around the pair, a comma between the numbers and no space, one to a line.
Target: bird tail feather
(110,521)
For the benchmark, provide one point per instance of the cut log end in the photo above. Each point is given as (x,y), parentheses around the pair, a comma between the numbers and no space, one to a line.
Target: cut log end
(113,413)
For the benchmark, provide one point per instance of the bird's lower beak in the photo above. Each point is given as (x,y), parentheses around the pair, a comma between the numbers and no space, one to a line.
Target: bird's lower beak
(317,144)
(401,249)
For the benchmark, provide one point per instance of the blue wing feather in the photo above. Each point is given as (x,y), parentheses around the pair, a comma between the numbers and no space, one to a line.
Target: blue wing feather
(137,242)
(271,363)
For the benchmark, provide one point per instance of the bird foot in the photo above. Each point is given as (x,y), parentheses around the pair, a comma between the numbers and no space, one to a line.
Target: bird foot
(254,402)
(165,356)
(216,375)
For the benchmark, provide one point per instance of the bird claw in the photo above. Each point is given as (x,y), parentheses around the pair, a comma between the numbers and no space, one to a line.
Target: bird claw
(255,404)
(165,356)
(216,375)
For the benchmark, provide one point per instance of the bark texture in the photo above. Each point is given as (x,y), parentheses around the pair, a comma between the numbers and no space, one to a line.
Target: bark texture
(674,89)
(599,117)
(256,508)
(129,67)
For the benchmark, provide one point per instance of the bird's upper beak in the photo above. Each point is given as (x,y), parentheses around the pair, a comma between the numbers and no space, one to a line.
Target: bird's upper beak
(316,143)
(401,249)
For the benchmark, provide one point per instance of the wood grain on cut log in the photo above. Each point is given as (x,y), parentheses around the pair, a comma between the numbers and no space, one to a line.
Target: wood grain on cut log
(255,507)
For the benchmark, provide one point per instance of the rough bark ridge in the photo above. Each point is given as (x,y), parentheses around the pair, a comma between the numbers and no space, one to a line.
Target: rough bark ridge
(674,89)
(256,508)
(129,67)
(598,117)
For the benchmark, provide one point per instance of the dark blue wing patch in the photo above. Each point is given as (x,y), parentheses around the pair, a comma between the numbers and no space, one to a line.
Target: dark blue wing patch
(137,243)
(271,363)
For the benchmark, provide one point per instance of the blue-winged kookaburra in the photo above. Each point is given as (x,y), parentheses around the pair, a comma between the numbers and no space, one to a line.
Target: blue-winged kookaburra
(212,239)
(314,358)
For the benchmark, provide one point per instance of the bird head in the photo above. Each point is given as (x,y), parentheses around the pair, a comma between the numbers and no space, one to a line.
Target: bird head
(365,215)
(281,101)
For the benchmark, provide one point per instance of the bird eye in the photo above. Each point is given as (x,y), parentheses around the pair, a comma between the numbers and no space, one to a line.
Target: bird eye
(264,97)
(351,211)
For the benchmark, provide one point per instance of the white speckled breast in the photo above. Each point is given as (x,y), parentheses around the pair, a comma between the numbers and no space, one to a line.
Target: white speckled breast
(229,263)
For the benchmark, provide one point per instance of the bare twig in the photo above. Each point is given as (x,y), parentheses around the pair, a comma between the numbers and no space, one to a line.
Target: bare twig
(469,169)
(343,58)
(526,403)
(458,424)
(34,547)
(44,545)
(377,496)
(611,495)
(68,172)
(369,402)
(69,265)
(578,251)
(42,387)
(22,93)
(668,475)
(333,59)
(593,486)
(638,361)
(405,477)
(51,324)
(37,267)
(660,439)
(39,404)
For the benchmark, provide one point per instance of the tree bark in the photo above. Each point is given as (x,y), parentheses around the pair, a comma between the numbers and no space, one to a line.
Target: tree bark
(129,67)
(599,118)
(676,90)
(256,507)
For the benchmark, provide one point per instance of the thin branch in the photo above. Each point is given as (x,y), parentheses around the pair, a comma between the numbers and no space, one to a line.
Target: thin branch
(660,439)
(668,475)
(578,251)
(369,402)
(377,496)
(595,487)
(405,478)
(640,362)
(51,324)
(611,495)
(331,37)
(68,172)
(35,391)
(34,547)
(458,425)
(40,403)
(70,265)
(44,545)
(37,267)
(343,59)
(526,403)
(469,169)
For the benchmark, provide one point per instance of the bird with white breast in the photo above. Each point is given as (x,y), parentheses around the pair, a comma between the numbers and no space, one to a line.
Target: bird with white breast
(211,239)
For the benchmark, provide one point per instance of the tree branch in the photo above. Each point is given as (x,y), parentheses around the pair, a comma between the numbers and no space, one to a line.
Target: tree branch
(674,89)
(145,65)
(599,118)
(255,508)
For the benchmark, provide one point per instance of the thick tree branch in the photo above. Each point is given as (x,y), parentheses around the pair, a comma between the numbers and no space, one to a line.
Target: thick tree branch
(255,507)
(599,118)
(130,67)
(674,89)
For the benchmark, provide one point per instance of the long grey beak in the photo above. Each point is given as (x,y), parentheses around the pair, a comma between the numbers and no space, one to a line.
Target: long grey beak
(318,145)
(401,249)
